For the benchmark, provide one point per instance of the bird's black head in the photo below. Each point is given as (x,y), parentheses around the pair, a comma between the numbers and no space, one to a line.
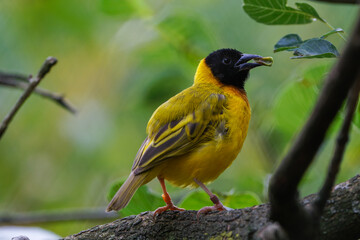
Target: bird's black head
(231,67)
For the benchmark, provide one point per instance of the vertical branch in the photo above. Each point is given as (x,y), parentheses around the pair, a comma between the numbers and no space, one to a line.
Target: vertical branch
(283,194)
(342,139)
(45,68)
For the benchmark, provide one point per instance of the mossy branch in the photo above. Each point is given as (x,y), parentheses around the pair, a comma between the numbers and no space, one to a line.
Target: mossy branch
(341,220)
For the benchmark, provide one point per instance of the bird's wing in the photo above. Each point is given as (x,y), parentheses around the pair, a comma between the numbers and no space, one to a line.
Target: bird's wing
(180,135)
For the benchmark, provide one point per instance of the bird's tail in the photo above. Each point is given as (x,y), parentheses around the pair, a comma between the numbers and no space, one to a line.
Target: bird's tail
(126,191)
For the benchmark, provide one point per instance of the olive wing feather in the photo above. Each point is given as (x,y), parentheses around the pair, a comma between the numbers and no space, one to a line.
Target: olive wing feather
(180,135)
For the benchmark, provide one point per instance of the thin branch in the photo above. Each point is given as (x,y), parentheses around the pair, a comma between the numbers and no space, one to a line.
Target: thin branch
(57,98)
(283,193)
(341,142)
(332,28)
(60,216)
(339,1)
(45,68)
(17,76)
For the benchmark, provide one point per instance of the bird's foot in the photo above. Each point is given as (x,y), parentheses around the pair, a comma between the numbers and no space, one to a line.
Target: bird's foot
(167,207)
(217,207)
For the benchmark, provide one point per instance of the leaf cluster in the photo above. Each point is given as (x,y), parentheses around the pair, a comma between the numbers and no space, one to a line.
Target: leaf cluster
(276,12)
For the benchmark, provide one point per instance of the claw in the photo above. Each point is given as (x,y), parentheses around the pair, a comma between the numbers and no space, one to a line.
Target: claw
(217,207)
(167,207)
(167,200)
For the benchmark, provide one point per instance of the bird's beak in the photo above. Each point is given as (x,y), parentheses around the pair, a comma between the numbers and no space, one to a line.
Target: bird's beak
(242,63)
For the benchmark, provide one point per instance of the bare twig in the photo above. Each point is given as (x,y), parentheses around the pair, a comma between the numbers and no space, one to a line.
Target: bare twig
(59,216)
(283,193)
(17,76)
(45,68)
(342,139)
(57,98)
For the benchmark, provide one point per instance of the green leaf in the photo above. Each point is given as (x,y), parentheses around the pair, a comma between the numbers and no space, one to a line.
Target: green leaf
(199,199)
(295,100)
(356,120)
(337,30)
(305,7)
(124,8)
(314,75)
(288,42)
(188,33)
(143,200)
(274,12)
(241,200)
(292,106)
(115,7)
(316,48)
(195,200)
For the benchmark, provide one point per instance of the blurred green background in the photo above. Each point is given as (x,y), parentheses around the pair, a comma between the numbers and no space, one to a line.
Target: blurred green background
(119,60)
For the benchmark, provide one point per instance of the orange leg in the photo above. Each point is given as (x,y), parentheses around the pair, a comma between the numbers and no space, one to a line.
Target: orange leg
(217,204)
(169,204)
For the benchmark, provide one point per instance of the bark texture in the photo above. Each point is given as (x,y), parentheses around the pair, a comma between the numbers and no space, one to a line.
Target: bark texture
(341,220)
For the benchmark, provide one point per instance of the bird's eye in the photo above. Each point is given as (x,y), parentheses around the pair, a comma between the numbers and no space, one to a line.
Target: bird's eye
(226,61)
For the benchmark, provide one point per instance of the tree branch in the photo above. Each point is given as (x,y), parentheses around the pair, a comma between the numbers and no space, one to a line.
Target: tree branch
(10,76)
(339,1)
(342,139)
(285,207)
(57,98)
(45,68)
(341,220)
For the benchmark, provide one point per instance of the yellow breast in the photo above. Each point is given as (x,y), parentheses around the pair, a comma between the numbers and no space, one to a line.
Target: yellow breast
(209,161)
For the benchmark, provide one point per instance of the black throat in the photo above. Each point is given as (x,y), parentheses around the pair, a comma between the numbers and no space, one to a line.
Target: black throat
(223,66)
(228,77)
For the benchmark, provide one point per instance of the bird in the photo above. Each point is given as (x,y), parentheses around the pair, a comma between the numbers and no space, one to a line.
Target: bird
(195,135)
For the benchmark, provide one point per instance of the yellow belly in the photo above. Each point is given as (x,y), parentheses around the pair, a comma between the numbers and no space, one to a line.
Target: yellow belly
(209,161)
